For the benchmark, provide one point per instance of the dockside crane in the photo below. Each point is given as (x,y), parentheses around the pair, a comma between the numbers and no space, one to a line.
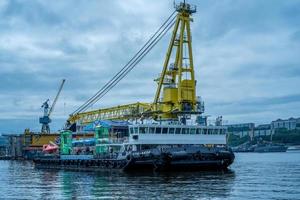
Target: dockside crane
(175,97)
(45,120)
(176,92)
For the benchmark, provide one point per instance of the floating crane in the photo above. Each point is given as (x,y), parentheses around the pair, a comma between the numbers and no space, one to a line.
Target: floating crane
(45,120)
(175,98)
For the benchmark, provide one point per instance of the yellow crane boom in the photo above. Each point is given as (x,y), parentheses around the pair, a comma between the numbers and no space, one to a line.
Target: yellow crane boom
(176,92)
(121,112)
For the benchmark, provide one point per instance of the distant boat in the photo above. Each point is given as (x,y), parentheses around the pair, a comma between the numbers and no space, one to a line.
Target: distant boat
(264,148)
(294,148)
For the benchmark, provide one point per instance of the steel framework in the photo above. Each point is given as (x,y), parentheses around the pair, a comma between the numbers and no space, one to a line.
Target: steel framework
(176,91)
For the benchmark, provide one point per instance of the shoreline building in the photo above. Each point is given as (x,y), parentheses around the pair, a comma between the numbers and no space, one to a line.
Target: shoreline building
(15,145)
(3,146)
(288,124)
(250,129)
(241,130)
(262,130)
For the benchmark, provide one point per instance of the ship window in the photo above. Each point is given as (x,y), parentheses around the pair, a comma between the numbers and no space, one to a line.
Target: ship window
(152,130)
(223,132)
(142,130)
(178,130)
(209,131)
(146,129)
(158,130)
(193,131)
(205,131)
(135,137)
(131,130)
(165,130)
(136,130)
(185,131)
(171,130)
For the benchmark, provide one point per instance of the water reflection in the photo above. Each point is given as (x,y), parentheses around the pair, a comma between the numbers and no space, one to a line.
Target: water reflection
(112,184)
(267,176)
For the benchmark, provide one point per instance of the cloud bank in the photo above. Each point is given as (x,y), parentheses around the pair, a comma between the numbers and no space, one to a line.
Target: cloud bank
(246,56)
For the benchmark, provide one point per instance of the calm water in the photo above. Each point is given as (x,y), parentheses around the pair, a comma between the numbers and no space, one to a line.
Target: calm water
(252,176)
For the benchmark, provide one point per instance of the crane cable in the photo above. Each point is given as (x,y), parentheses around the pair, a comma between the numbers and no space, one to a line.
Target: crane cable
(131,64)
(137,60)
(123,71)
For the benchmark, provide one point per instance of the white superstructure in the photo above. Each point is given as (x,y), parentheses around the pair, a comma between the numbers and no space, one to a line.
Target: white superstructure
(177,134)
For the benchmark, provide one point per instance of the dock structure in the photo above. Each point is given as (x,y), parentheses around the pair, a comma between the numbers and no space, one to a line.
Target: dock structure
(12,146)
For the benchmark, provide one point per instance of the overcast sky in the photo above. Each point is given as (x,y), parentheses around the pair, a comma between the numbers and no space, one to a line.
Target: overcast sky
(246,55)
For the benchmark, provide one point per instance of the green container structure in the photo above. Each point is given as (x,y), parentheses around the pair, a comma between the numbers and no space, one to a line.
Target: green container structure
(102,138)
(65,142)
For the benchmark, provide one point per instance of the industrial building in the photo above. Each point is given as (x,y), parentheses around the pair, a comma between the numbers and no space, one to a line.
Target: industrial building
(249,129)
(241,130)
(289,124)
(3,146)
(13,145)
(262,130)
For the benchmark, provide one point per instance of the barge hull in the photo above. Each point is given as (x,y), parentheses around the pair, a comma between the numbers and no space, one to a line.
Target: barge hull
(164,162)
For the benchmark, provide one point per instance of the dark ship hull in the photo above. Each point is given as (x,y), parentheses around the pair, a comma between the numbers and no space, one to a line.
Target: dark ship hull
(210,159)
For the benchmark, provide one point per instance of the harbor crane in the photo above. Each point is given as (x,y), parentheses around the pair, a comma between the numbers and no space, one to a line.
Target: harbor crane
(45,120)
(175,98)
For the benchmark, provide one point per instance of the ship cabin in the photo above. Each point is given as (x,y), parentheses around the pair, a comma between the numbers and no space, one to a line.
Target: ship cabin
(157,134)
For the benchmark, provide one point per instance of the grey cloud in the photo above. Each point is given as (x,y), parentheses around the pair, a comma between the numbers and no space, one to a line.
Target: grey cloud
(267,101)
(30,12)
(246,56)
(296,36)
(272,71)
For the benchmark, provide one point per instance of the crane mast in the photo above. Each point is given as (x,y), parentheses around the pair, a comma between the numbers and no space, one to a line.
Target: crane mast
(176,92)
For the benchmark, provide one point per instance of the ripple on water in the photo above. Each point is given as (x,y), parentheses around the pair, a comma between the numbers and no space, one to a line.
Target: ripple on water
(252,176)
